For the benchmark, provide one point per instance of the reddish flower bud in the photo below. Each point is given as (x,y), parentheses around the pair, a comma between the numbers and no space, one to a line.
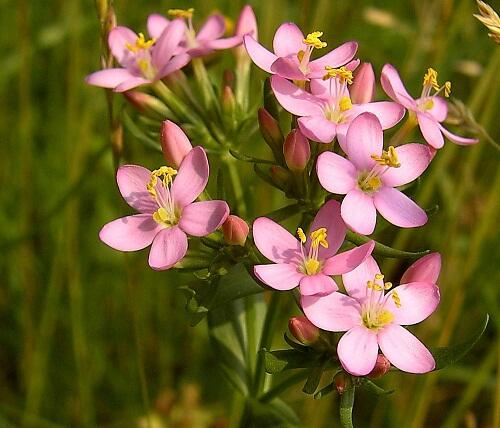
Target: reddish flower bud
(146,104)
(342,381)
(303,330)
(174,143)
(235,230)
(363,88)
(228,100)
(296,150)
(425,269)
(382,366)
(270,130)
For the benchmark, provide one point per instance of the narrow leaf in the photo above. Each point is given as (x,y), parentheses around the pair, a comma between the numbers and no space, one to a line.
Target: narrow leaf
(287,359)
(245,158)
(374,388)
(314,378)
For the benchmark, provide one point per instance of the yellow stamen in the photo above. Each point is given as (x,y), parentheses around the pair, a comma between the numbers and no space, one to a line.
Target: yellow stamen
(319,238)
(345,104)
(370,185)
(342,73)
(397,300)
(181,13)
(140,43)
(166,173)
(379,276)
(302,235)
(447,89)
(430,79)
(387,285)
(311,266)
(388,158)
(313,39)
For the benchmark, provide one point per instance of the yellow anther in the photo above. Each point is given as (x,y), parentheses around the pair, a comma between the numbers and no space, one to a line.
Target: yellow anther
(313,39)
(369,284)
(430,79)
(181,13)
(379,276)
(318,237)
(396,299)
(388,158)
(447,89)
(345,104)
(300,55)
(302,235)
(165,173)
(342,73)
(140,44)
(311,266)
(388,285)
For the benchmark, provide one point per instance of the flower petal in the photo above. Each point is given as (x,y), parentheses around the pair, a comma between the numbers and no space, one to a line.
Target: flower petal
(439,110)
(191,178)
(387,112)
(425,269)
(259,54)
(335,58)
(109,78)
(358,212)
(414,159)
(169,246)
(329,217)
(318,128)
(404,350)
(132,181)
(430,130)
(317,285)
(457,139)
(203,218)
(275,242)
(393,86)
(167,44)
(287,68)
(355,281)
(295,100)
(156,24)
(358,350)
(213,28)
(130,233)
(132,83)
(280,276)
(364,138)
(348,260)
(288,40)
(118,39)
(334,312)
(399,209)
(342,129)
(226,43)
(335,173)
(418,301)
(175,63)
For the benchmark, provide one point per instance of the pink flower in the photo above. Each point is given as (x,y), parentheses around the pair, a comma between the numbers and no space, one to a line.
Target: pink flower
(307,262)
(195,44)
(363,88)
(327,111)
(292,53)
(143,61)
(372,316)
(167,210)
(429,109)
(370,174)
(175,144)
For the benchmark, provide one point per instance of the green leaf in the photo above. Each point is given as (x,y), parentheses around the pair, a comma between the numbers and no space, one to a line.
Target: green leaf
(314,378)
(372,387)
(244,158)
(287,359)
(444,356)
(139,133)
(383,250)
(325,391)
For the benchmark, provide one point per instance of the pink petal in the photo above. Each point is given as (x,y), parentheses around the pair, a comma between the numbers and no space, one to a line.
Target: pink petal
(287,68)
(439,110)
(355,281)
(295,100)
(364,85)
(414,159)
(109,78)
(335,173)
(191,178)
(399,209)
(132,181)
(134,82)
(213,28)
(364,138)
(247,22)
(456,138)
(167,44)
(425,269)
(318,128)
(203,218)
(418,301)
(430,130)
(335,58)
(281,276)
(169,246)
(358,212)
(404,350)
(227,43)
(130,233)
(358,350)
(387,112)
(393,86)
(334,312)
(348,260)
(156,24)
(275,242)
(288,40)
(118,39)
(329,217)
(259,54)
(176,63)
(342,129)
(317,285)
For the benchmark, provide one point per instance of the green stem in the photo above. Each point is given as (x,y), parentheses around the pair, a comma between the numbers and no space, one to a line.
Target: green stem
(237,186)
(283,386)
(250,318)
(207,91)
(399,137)
(346,406)
(242,79)
(179,108)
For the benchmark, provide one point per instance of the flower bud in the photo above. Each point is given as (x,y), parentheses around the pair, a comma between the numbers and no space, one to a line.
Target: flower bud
(235,230)
(228,78)
(382,366)
(271,131)
(296,150)
(342,382)
(425,269)
(174,143)
(303,330)
(363,88)
(228,100)
(147,104)
(247,24)
(280,176)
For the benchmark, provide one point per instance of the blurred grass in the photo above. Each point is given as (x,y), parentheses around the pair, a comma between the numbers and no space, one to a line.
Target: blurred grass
(92,338)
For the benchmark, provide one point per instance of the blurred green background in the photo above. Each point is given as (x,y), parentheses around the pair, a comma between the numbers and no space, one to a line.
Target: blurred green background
(90,337)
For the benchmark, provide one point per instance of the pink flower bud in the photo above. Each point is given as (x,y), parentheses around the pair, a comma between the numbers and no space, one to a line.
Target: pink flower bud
(174,143)
(363,88)
(247,24)
(271,131)
(425,269)
(303,330)
(296,150)
(382,366)
(235,230)
(228,100)
(342,381)
(146,104)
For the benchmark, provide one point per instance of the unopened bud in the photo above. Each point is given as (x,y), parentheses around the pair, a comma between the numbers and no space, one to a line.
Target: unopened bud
(342,382)
(228,100)
(425,269)
(363,88)
(303,330)
(296,150)
(280,176)
(235,230)
(228,78)
(382,366)
(246,24)
(147,104)
(174,143)
(271,131)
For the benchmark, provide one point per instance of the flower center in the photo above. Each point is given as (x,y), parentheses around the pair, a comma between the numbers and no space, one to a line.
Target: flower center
(310,264)
(140,44)
(312,41)
(373,311)
(159,187)
(370,182)
(431,83)
(339,101)
(142,55)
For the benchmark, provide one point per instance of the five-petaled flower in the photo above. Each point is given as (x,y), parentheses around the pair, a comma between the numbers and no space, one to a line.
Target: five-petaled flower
(311,260)
(373,316)
(165,200)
